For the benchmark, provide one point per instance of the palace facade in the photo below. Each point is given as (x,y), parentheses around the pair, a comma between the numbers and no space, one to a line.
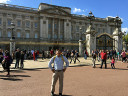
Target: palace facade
(55,27)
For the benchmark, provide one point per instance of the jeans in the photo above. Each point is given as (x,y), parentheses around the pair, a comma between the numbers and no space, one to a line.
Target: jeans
(21,63)
(17,63)
(85,56)
(103,61)
(94,60)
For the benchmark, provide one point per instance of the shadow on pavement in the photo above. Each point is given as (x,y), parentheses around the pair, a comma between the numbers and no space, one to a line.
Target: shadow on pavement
(31,69)
(11,79)
(117,69)
(42,61)
(62,95)
(80,65)
(17,71)
(34,69)
(15,76)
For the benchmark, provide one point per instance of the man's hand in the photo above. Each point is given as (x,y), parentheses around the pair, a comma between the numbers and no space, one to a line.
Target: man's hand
(53,70)
(64,70)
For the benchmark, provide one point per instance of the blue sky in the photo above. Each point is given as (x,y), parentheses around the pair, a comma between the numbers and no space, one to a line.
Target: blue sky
(100,8)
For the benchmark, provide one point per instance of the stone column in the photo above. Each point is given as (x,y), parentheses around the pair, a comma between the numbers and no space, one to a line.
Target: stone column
(41,27)
(90,39)
(117,36)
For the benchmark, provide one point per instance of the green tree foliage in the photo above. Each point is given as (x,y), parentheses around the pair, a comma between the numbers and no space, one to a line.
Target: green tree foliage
(125,38)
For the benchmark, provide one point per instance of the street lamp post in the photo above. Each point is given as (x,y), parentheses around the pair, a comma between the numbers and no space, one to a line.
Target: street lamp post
(91,17)
(12,40)
(117,21)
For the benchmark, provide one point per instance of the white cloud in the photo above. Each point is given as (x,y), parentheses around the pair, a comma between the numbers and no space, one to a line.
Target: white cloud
(125,29)
(111,16)
(4,1)
(76,10)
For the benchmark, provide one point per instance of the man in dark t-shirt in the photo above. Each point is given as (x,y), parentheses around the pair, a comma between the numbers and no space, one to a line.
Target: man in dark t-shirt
(17,58)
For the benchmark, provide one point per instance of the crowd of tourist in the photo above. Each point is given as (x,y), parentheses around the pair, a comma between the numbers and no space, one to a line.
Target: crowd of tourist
(21,55)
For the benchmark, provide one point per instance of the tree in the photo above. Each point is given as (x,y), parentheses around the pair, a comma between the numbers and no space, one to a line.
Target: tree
(125,38)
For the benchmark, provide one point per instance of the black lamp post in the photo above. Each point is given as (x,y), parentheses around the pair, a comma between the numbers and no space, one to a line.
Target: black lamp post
(117,21)
(80,33)
(12,33)
(91,17)
(12,40)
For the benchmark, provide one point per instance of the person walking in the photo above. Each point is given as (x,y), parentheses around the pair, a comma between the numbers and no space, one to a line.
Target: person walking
(6,62)
(72,56)
(58,71)
(123,54)
(22,60)
(34,55)
(118,55)
(43,54)
(17,58)
(93,58)
(112,63)
(99,57)
(76,56)
(103,59)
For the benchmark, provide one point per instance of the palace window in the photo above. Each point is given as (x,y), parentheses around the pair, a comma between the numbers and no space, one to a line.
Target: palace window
(18,34)
(36,25)
(18,23)
(27,35)
(9,34)
(36,36)
(49,36)
(9,22)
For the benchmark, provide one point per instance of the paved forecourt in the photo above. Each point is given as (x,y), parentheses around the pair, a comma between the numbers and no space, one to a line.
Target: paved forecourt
(35,80)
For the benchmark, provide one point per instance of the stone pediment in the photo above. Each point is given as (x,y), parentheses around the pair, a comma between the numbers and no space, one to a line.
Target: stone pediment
(55,11)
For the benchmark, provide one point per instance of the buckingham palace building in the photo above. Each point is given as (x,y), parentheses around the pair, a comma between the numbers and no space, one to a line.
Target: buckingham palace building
(52,27)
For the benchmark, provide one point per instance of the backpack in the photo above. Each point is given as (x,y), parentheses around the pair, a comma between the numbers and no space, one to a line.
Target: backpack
(61,58)
(54,60)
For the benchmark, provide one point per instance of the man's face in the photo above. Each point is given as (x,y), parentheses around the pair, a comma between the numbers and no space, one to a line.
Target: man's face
(58,53)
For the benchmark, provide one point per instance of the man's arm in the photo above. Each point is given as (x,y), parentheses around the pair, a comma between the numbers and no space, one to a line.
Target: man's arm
(67,63)
(50,64)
